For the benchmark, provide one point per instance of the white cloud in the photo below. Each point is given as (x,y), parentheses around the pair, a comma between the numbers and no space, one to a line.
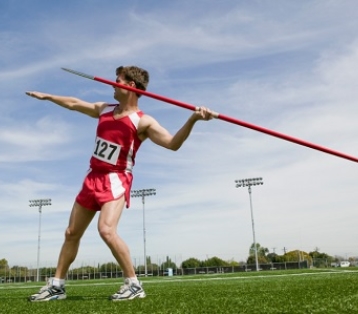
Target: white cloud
(33,142)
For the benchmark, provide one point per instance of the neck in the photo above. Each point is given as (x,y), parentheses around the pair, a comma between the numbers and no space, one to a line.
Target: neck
(125,108)
(128,101)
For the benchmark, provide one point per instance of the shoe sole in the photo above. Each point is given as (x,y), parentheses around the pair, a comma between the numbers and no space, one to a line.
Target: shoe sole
(52,298)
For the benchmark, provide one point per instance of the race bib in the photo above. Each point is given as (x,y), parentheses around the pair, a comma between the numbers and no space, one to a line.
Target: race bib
(106,151)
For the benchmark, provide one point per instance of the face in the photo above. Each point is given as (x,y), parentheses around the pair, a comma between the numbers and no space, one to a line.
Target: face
(119,93)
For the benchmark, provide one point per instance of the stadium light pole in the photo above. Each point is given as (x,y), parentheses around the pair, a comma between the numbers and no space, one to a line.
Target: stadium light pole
(143,193)
(250,182)
(39,203)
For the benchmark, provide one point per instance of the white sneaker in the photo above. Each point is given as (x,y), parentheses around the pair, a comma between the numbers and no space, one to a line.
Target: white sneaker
(48,293)
(128,291)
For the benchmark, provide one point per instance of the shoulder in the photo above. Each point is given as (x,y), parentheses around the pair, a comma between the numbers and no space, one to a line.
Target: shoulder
(146,121)
(145,125)
(103,107)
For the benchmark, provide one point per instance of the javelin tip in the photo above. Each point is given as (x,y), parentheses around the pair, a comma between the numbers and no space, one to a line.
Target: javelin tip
(79,73)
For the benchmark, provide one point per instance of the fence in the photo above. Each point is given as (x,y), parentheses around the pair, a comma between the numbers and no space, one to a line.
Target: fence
(30,275)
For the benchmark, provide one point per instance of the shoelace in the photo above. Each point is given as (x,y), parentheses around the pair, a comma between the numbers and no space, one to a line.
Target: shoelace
(123,288)
(126,286)
(44,288)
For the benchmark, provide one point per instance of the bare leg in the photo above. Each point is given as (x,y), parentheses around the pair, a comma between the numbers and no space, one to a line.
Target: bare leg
(107,227)
(79,220)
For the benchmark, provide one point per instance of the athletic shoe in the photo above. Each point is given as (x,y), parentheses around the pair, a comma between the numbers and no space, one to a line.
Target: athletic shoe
(44,288)
(129,291)
(49,293)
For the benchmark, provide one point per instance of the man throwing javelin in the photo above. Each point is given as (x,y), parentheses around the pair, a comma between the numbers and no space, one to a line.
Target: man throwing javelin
(121,129)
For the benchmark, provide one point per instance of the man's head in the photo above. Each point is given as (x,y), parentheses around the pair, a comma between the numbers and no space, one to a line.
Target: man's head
(139,76)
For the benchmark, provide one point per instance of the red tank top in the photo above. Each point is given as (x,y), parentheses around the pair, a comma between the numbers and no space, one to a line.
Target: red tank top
(116,142)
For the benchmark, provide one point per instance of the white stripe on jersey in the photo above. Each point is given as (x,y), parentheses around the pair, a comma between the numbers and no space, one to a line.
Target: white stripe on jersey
(135,119)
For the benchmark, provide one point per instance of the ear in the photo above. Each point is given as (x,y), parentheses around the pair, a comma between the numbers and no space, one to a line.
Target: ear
(132,84)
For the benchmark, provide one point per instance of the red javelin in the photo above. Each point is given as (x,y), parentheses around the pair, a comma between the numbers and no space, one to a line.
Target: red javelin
(219,116)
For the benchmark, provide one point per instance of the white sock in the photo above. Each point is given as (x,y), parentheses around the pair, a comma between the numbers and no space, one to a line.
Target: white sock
(57,282)
(134,280)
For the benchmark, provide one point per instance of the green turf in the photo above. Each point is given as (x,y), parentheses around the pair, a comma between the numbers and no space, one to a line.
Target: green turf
(264,292)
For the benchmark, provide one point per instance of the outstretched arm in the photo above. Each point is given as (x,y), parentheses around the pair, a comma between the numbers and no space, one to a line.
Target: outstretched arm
(160,136)
(72,103)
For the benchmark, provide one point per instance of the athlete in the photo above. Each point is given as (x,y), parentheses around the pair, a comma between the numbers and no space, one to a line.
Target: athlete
(121,129)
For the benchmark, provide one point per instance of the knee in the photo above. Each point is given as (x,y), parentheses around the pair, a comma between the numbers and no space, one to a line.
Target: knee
(71,235)
(105,232)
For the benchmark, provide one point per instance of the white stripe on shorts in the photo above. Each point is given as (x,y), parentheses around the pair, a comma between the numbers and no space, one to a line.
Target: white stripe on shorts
(116,185)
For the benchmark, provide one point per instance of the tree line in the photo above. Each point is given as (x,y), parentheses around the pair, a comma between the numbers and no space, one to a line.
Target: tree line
(264,256)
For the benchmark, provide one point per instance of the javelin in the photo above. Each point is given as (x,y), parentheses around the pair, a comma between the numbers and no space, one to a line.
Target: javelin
(218,116)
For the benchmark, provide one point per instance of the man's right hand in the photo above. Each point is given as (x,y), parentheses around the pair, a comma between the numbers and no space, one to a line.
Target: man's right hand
(38,95)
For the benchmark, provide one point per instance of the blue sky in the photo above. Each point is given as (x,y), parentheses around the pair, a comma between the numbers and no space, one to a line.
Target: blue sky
(288,66)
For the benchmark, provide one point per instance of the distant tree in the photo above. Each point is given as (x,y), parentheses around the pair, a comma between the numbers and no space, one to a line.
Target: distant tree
(47,271)
(233,263)
(261,251)
(261,254)
(18,271)
(141,269)
(320,259)
(297,255)
(82,271)
(252,259)
(191,263)
(272,257)
(152,267)
(317,254)
(3,263)
(109,267)
(214,262)
(279,259)
(168,264)
(353,260)
(4,267)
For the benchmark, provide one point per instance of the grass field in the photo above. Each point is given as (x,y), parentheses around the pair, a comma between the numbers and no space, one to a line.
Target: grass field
(305,291)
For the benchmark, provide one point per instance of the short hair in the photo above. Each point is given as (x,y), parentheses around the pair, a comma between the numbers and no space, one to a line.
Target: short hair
(133,73)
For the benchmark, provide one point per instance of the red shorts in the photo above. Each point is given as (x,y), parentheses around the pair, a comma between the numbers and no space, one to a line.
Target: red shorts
(102,187)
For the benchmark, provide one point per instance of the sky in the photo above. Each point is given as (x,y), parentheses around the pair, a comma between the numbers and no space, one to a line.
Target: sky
(288,66)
